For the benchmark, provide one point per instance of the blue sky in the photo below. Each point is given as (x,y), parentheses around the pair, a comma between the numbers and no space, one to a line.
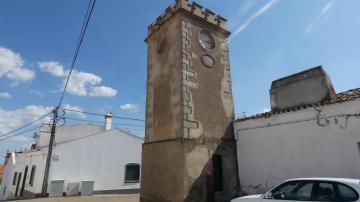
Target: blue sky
(271,39)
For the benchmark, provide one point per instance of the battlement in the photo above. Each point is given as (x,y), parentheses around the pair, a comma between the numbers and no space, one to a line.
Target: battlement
(193,8)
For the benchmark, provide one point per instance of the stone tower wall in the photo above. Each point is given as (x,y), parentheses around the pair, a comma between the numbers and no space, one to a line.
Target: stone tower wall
(189,108)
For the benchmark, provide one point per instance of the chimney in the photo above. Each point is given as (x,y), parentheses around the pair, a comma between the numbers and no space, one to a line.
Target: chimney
(108,120)
(304,88)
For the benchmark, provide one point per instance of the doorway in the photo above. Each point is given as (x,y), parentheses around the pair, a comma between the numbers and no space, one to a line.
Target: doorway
(17,185)
(24,181)
(218,173)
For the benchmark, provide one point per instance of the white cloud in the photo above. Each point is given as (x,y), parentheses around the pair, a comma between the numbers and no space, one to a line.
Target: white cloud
(320,16)
(12,119)
(12,66)
(5,95)
(52,67)
(80,82)
(130,107)
(253,17)
(102,91)
(75,108)
(266,110)
(37,93)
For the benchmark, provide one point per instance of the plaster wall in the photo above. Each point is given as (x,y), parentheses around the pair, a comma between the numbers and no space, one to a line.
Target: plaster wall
(65,133)
(6,184)
(300,146)
(163,108)
(100,157)
(23,160)
(211,101)
(309,87)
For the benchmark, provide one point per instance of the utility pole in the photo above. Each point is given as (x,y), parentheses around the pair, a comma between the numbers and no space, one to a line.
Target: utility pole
(48,159)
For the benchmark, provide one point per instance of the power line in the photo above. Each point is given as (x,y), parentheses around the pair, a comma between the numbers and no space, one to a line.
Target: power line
(22,127)
(78,46)
(55,119)
(37,127)
(96,114)
(99,122)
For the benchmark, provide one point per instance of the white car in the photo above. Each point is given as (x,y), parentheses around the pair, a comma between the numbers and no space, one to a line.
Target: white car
(310,189)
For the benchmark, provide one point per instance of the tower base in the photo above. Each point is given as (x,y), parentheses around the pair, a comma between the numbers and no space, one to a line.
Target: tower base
(189,170)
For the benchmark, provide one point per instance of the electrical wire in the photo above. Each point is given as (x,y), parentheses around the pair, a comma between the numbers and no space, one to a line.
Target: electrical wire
(99,122)
(96,114)
(78,46)
(37,127)
(22,127)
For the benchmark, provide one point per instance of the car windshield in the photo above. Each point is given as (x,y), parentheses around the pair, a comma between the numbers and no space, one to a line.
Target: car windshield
(296,190)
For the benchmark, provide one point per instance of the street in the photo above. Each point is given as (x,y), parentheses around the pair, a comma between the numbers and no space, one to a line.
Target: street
(103,198)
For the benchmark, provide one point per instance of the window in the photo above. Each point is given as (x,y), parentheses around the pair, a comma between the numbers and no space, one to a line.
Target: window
(218,175)
(304,192)
(294,190)
(132,173)
(32,175)
(346,193)
(326,192)
(14,179)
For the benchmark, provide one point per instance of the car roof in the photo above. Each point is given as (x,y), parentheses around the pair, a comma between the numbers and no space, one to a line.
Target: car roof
(343,180)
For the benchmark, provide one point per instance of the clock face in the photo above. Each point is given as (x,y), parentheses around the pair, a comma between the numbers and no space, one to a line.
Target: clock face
(208,61)
(205,39)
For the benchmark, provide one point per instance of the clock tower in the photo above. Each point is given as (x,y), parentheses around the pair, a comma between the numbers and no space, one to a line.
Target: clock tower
(189,152)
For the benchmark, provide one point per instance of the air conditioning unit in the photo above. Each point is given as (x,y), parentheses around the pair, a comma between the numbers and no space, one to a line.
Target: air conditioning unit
(73,189)
(56,188)
(87,187)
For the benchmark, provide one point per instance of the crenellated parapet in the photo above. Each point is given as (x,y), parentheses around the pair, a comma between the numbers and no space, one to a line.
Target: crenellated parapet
(192,8)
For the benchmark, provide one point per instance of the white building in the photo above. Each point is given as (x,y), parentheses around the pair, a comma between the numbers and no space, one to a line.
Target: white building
(87,159)
(310,132)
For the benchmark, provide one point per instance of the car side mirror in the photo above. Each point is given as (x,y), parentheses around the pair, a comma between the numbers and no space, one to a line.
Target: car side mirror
(268,195)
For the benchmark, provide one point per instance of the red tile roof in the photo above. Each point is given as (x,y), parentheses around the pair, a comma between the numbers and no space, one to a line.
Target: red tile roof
(2,167)
(340,97)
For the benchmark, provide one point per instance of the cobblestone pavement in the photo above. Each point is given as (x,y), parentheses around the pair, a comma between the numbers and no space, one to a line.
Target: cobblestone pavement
(107,198)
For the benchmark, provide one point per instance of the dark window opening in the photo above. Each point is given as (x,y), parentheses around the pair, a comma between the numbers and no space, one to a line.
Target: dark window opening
(14,179)
(218,173)
(24,181)
(18,185)
(132,173)
(32,175)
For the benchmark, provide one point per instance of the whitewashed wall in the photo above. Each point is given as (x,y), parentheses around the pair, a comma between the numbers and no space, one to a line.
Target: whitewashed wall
(68,132)
(17,163)
(269,155)
(81,152)
(100,157)
(37,158)
(6,185)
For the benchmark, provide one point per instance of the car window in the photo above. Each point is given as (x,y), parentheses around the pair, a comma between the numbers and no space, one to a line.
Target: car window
(326,192)
(295,190)
(304,192)
(346,193)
